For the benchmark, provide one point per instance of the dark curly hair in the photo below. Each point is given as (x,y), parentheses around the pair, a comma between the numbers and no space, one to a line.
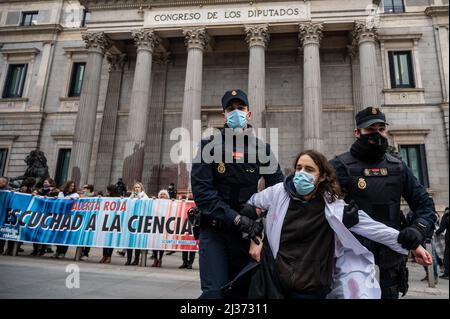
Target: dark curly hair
(329,186)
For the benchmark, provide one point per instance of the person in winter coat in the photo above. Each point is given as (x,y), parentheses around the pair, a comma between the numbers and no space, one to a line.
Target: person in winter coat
(308,229)
(138,193)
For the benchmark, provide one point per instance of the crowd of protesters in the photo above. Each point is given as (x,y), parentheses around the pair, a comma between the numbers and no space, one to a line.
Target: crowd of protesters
(70,190)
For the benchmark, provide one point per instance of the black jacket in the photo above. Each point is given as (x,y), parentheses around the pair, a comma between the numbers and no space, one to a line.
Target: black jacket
(220,187)
(415,194)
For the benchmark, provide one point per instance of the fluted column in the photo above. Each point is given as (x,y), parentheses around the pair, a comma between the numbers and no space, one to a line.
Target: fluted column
(196,40)
(109,121)
(153,146)
(257,37)
(145,41)
(310,37)
(97,44)
(364,40)
(356,79)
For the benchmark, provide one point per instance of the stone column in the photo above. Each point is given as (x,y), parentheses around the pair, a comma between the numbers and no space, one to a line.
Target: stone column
(197,40)
(155,125)
(364,40)
(442,37)
(356,78)
(257,37)
(97,44)
(40,87)
(439,16)
(310,37)
(133,162)
(108,130)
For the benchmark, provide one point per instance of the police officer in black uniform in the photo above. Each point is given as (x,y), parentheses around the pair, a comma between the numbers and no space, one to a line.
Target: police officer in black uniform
(376,181)
(220,188)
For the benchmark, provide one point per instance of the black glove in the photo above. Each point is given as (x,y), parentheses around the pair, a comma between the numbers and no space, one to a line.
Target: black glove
(253,228)
(411,237)
(351,216)
(249,211)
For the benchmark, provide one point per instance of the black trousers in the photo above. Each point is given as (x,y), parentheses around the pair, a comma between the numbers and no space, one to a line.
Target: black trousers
(107,252)
(188,257)
(137,254)
(61,249)
(223,254)
(39,248)
(85,251)
(10,246)
(158,254)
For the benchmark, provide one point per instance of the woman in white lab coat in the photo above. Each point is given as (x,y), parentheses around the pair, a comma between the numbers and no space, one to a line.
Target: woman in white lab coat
(308,227)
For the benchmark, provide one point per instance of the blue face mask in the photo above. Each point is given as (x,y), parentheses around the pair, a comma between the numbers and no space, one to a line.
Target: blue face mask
(237,119)
(304,183)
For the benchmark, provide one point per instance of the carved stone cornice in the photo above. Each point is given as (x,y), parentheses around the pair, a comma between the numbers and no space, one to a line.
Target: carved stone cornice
(257,35)
(144,4)
(196,38)
(435,11)
(310,33)
(146,40)
(96,42)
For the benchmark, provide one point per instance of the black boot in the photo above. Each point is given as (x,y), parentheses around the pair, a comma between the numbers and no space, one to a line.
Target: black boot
(137,254)
(129,255)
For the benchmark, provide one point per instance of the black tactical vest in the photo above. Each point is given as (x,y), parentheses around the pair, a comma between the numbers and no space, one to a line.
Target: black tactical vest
(236,182)
(376,188)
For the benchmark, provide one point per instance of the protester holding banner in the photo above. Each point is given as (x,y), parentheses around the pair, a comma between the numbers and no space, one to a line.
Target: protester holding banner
(27,185)
(137,193)
(308,232)
(24,188)
(158,254)
(111,191)
(48,189)
(86,191)
(27,188)
(4,184)
(69,191)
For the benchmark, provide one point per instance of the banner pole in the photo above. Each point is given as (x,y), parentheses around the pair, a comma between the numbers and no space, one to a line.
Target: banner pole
(144,258)
(15,248)
(430,272)
(78,254)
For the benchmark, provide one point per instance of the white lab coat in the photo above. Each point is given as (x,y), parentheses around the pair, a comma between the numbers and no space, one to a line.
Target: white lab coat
(354,271)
